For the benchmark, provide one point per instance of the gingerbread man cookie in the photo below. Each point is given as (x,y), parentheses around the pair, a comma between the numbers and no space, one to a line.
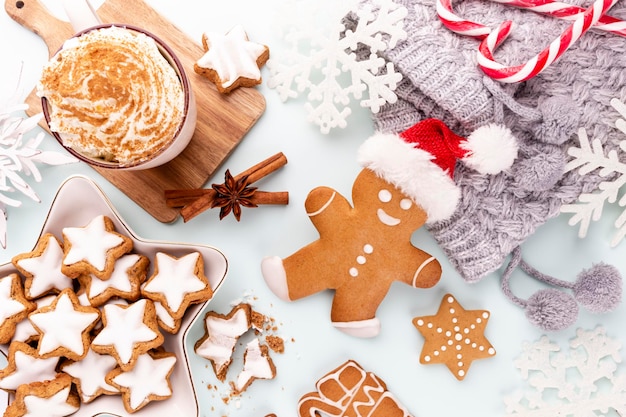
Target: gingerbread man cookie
(361,251)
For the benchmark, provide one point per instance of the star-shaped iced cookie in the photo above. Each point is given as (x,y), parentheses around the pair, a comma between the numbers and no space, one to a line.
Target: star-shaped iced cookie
(147,381)
(14,307)
(88,375)
(128,332)
(25,366)
(454,336)
(42,268)
(64,327)
(53,398)
(231,60)
(189,286)
(93,248)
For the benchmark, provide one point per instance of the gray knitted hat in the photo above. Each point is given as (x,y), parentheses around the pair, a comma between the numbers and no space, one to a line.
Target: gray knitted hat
(497,213)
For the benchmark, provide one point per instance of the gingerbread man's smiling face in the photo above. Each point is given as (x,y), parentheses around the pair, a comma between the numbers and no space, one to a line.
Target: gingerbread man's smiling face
(389,205)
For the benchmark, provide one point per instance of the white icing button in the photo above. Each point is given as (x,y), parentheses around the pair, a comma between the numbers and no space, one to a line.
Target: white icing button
(492,351)
(361,260)
(384,196)
(450,299)
(426,358)
(354,272)
(368,249)
(420,322)
(405,204)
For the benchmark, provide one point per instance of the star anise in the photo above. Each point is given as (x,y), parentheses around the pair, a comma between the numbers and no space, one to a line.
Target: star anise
(233,194)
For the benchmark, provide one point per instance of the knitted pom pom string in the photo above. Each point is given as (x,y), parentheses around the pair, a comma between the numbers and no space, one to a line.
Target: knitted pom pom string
(598,289)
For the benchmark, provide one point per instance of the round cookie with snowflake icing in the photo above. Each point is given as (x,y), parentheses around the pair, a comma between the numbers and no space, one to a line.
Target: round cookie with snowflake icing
(454,336)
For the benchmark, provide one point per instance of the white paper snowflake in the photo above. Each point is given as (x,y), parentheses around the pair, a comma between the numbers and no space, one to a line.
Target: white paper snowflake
(19,157)
(322,59)
(589,157)
(583,382)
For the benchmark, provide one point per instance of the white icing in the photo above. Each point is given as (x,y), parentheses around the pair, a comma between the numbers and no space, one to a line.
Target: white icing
(387,219)
(175,279)
(232,56)
(9,306)
(121,106)
(46,270)
(29,369)
(420,268)
(359,328)
(118,280)
(384,196)
(324,207)
(165,318)
(222,337)
(90,371)
(406,203)
(24,329)
(255,365)
(148,377)
(124,329)
(90,243)
(53,406)
(63,326)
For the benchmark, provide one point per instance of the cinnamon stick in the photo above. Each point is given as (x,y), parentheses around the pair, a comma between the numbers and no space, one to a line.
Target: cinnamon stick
(182,197)
(204,199)
(270,197)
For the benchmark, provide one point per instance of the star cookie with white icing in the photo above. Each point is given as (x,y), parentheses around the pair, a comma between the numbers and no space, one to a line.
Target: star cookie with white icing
(89,375)
(178,282)
(128,332)
(14,307)
(41,268)
(53,398)
(25,366)
(93,248)
(147,381)
(257,364)
(231,60)
(454,336)
(64,327)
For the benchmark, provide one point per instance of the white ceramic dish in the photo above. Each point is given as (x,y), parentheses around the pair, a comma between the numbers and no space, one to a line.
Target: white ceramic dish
(77,201)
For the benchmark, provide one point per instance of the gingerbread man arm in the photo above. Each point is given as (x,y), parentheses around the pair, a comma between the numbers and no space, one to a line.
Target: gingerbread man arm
(324,206)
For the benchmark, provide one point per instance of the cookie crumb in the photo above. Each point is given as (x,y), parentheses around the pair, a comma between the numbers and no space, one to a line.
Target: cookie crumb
(276,343)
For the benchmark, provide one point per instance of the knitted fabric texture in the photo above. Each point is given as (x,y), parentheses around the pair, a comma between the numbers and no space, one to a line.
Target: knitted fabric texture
(497,213)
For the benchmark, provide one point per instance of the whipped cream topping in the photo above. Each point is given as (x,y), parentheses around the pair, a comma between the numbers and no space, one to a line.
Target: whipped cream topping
(113,95)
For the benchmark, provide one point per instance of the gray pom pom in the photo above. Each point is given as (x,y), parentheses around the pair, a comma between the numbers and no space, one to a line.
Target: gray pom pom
(599,288)
(540,172)
(560,119)
(551,309)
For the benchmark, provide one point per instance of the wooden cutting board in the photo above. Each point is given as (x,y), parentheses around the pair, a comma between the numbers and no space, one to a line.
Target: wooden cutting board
(223,120)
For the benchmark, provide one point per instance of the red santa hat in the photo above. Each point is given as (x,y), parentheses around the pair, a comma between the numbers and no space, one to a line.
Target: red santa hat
(420,161)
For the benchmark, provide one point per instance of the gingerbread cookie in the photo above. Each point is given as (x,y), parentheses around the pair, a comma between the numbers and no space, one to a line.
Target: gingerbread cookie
(128,332)
(454,336)
(25,366)
(190,285)
(14,307)
(350,391)
(147,381)
(64,327)
(221,334)
(93,249)
(89,374)
(361,251)
(41,268)
(52,398)
(129,273)
(231,61)
(257,364)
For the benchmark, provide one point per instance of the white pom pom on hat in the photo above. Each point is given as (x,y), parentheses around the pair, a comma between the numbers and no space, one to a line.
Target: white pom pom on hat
(420,161)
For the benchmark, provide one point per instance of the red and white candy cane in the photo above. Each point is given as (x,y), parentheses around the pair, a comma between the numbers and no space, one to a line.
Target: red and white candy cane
(546,7)
(511,74)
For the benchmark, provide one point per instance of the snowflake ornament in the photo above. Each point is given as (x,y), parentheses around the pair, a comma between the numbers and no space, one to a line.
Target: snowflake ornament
(580,383)
(322,59)
(19,158)
(589,157)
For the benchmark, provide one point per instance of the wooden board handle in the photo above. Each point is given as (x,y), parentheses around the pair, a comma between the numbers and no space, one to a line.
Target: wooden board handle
(33,15)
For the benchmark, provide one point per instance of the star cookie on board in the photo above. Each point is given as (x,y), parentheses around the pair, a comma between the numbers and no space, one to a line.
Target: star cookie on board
(454,336)
(231,60)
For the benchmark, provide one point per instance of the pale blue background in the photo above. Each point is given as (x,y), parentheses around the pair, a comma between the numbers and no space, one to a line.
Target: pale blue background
(316,159)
